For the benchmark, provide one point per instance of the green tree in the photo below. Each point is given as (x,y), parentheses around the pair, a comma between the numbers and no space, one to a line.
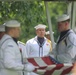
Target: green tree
(29,14)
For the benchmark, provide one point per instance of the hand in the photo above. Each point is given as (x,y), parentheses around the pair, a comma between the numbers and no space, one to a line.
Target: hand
(29,67)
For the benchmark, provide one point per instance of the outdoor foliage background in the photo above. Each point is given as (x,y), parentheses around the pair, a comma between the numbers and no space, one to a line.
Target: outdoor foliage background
(31,13)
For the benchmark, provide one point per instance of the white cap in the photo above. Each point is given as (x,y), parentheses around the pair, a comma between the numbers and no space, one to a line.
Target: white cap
(2,28)
(48,33)
(12,23)
(40,26)
(64,17)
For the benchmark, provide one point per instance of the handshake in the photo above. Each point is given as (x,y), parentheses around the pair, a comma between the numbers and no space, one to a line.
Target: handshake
(29,67)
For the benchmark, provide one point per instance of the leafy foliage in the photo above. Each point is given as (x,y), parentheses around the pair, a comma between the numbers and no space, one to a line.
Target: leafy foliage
(29,14)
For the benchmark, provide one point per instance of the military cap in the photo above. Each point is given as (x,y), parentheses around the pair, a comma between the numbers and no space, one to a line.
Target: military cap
(40,26)
(12,23)
(2,28)
(63,17)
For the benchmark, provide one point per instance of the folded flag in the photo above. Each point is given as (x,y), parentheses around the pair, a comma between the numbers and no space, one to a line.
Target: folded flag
(49,66)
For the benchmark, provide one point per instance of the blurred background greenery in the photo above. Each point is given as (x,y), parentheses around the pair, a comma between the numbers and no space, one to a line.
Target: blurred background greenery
(31,13)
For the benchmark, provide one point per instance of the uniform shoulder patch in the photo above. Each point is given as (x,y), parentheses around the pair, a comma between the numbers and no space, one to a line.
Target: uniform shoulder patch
(10,45)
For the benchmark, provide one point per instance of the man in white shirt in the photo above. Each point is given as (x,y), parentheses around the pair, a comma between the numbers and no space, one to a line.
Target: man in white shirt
(65,50)
(10,56)
(39,46)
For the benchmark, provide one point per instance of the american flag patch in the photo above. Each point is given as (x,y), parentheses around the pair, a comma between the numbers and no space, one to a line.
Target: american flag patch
(49,66)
